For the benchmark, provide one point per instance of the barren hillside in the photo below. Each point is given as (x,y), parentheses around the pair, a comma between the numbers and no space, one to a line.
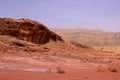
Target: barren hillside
(26,37)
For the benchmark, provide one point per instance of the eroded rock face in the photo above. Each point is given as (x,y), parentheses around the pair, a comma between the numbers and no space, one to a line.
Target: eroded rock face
(28,30)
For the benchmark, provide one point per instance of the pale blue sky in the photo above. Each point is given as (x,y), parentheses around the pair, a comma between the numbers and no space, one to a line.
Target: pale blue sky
(90,14)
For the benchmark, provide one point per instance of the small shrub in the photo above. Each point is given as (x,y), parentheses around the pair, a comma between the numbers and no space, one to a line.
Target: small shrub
(61,71)
(113,69)
(109,69)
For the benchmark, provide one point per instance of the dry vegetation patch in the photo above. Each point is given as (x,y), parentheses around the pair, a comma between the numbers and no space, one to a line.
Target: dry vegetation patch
(110,69)
(112,49)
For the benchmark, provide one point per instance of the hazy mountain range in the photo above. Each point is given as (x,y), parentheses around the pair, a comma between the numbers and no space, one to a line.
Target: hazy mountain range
(90,37)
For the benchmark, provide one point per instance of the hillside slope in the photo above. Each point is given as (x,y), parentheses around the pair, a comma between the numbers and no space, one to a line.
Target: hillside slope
(19,34)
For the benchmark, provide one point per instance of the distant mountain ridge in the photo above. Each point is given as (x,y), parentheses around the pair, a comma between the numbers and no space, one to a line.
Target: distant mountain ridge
(90,37)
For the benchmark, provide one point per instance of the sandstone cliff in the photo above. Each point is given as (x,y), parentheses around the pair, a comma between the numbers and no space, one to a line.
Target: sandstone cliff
(26,29)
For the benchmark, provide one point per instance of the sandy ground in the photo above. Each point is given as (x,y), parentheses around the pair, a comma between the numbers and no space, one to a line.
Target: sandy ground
(72,72)
(37,70)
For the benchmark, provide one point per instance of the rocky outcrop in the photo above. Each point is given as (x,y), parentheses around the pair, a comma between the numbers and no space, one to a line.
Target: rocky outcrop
(28,30)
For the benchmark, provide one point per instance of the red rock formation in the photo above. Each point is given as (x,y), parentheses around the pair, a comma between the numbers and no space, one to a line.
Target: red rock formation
(28,30)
